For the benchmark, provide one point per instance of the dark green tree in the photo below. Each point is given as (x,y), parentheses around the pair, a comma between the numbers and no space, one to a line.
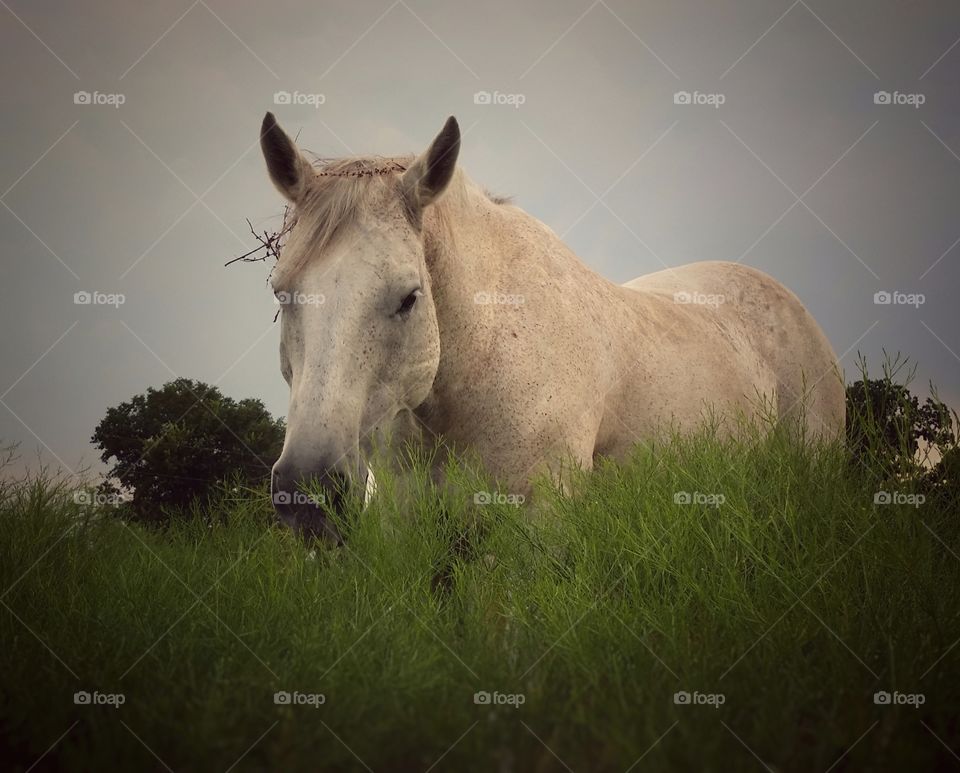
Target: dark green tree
(893,434)
(176,443)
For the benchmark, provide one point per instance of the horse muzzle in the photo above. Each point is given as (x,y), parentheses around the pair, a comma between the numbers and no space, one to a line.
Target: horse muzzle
(307,508)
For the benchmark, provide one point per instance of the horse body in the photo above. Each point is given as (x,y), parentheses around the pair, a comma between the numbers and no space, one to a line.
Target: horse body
(452,315)
(555,363)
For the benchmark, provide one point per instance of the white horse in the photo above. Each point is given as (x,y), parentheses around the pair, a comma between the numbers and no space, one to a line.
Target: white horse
(416,305)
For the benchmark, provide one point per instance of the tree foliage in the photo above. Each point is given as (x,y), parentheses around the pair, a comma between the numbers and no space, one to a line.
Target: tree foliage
(174,444)
(895,435)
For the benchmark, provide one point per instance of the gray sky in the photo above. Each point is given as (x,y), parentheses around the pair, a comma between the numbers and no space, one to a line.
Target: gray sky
(99,197)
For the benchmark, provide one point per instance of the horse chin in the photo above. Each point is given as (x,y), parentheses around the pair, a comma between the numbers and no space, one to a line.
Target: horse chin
(326,534)
(312,526)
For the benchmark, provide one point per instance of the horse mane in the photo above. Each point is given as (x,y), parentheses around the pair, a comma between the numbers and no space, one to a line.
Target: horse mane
(342,190)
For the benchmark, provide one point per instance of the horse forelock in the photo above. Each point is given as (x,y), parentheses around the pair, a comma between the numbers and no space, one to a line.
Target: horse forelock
(340,193)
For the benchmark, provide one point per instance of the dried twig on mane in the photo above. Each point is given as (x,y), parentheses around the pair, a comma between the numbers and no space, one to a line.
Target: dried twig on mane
(270,245)
(270,242)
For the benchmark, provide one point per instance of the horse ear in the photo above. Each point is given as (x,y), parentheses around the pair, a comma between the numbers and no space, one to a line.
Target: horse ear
(430,174)
(288,169)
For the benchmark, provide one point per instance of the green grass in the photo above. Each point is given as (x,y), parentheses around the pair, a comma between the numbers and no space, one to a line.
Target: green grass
(796,599)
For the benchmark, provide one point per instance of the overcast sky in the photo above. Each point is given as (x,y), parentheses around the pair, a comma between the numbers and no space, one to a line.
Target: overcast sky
(789,163)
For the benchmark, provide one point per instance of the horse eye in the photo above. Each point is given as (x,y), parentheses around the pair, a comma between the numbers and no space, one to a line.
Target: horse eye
(408,303)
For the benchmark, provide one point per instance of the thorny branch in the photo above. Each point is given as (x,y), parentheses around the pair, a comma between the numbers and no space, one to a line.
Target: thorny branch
(269,245)
(270,242)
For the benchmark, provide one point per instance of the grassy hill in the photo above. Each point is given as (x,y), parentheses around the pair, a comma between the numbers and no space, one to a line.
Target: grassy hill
(711,605)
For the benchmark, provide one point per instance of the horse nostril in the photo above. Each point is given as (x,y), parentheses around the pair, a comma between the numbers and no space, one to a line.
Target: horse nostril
(304,500)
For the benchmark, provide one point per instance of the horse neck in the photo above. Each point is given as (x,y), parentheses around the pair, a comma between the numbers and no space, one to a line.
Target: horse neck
(477,245)
(474,245)
(458,255)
